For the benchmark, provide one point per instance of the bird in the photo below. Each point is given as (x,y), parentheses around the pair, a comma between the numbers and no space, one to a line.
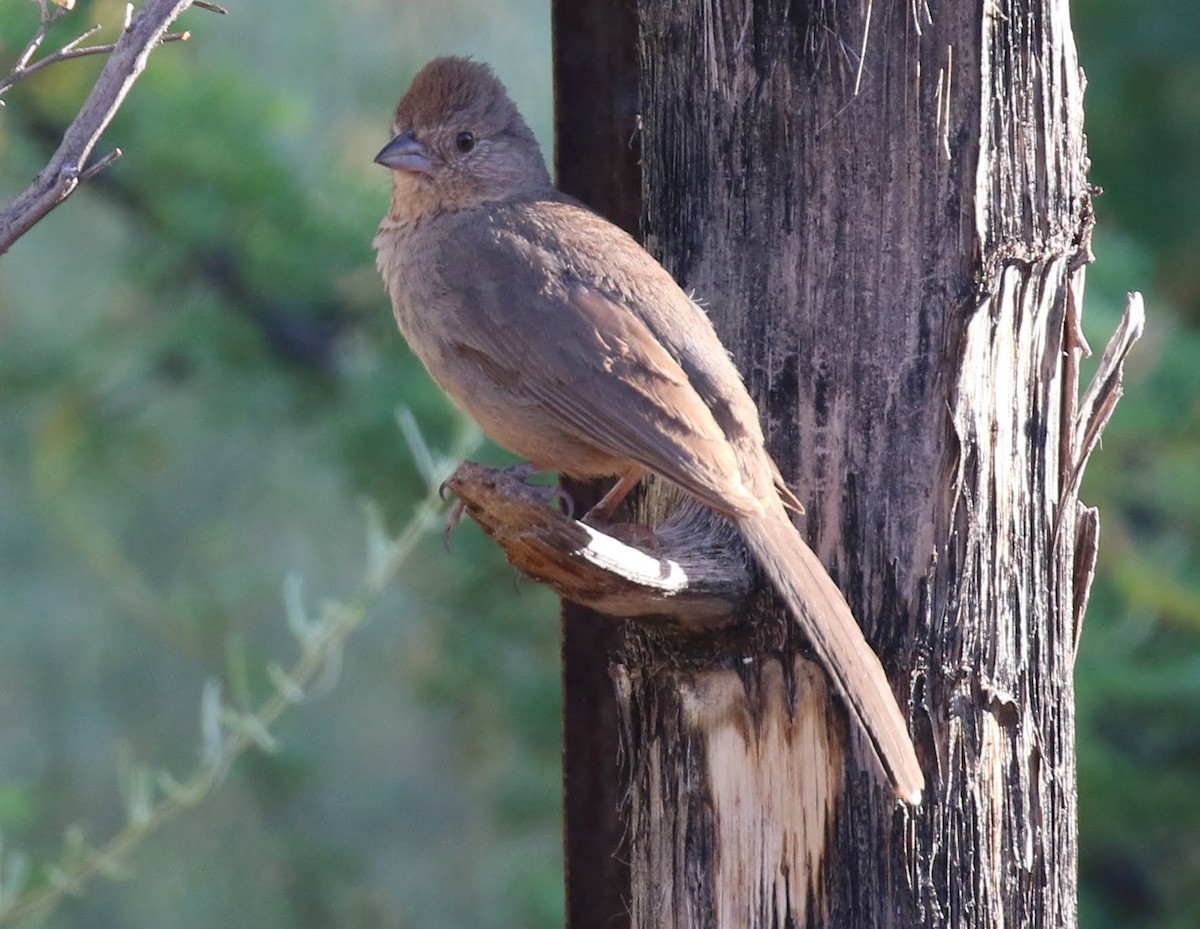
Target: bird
(570,345)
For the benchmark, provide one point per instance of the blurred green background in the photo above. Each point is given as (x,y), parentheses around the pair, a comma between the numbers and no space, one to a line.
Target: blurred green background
(198,380)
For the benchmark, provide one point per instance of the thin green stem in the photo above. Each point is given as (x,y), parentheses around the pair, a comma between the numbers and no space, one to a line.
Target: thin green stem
(320,640)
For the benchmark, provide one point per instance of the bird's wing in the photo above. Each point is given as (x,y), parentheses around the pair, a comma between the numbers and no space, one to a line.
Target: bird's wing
(584,356)
(682,328)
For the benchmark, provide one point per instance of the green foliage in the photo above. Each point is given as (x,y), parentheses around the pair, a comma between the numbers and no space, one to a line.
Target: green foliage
(154,797)
(1143,110)
(199,374)
(1138,672)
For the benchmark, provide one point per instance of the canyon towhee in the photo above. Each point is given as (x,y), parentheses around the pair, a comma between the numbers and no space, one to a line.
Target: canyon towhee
(571,346)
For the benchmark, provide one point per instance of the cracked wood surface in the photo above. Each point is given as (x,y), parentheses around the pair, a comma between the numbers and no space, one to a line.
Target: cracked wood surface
(885,212)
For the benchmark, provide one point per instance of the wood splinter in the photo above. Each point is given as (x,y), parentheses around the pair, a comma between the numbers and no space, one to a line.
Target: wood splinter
(684,574)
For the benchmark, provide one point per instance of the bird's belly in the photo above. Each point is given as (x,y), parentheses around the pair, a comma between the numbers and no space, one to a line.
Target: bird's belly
(493,398)
(520,424)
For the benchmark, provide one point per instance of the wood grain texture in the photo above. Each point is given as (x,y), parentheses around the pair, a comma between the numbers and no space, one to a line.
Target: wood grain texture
(797,177)
(884,209)
(728,792)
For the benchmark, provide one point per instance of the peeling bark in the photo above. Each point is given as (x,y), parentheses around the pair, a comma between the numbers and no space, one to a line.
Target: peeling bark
(885,210)
(734,795)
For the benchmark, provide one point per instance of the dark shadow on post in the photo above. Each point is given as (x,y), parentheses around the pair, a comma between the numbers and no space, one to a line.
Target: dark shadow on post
(596,160)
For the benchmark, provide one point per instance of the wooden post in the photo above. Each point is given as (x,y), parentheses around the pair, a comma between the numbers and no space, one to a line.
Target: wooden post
(596,160)
(884,209)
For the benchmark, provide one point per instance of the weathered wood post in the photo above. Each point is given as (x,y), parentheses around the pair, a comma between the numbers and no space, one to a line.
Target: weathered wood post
(884,208)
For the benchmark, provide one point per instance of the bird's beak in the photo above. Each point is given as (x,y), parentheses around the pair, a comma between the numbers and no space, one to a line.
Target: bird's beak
(405,153)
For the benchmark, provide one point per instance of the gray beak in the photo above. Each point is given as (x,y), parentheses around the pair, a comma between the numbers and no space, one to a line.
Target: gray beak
(405,153)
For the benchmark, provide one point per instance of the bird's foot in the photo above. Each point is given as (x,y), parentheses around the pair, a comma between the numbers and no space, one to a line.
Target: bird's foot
(548,494)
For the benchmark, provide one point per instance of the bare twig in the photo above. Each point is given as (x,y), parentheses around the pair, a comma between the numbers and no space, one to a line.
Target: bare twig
(66,53)
(48,20)
(62,174)
(92,170)
(22,69)
(32,47)
(82,37)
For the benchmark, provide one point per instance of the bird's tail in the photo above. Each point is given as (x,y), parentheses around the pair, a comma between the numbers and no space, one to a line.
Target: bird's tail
(823,614)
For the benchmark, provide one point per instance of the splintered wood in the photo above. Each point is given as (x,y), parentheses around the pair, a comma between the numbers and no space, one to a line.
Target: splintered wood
(885,209)
(750,765)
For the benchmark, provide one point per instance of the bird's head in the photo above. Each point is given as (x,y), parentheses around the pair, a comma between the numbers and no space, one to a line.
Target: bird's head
(459,141)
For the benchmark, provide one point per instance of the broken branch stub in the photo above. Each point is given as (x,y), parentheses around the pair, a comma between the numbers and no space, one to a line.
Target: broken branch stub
(684,574)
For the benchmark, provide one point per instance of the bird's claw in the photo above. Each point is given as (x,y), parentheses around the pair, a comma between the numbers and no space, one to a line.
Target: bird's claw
(453,518)
(568,504)
(522,471)
(549,494)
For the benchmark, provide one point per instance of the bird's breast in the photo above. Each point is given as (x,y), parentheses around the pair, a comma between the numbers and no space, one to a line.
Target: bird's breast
(433,323)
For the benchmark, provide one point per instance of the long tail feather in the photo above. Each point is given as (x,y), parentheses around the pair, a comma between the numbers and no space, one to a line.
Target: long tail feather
(823,614)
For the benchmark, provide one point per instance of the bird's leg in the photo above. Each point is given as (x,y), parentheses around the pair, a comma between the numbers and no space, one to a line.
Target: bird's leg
(602,512)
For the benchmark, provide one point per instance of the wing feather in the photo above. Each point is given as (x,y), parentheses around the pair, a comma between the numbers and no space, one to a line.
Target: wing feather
(585,357)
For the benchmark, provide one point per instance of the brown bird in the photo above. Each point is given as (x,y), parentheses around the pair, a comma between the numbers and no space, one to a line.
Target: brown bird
(571,346)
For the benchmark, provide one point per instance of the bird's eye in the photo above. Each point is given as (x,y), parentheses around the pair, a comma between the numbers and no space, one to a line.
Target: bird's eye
(465,141)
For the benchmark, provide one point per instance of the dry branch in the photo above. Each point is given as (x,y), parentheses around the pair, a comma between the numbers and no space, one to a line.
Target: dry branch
(73,49)
(66,168)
